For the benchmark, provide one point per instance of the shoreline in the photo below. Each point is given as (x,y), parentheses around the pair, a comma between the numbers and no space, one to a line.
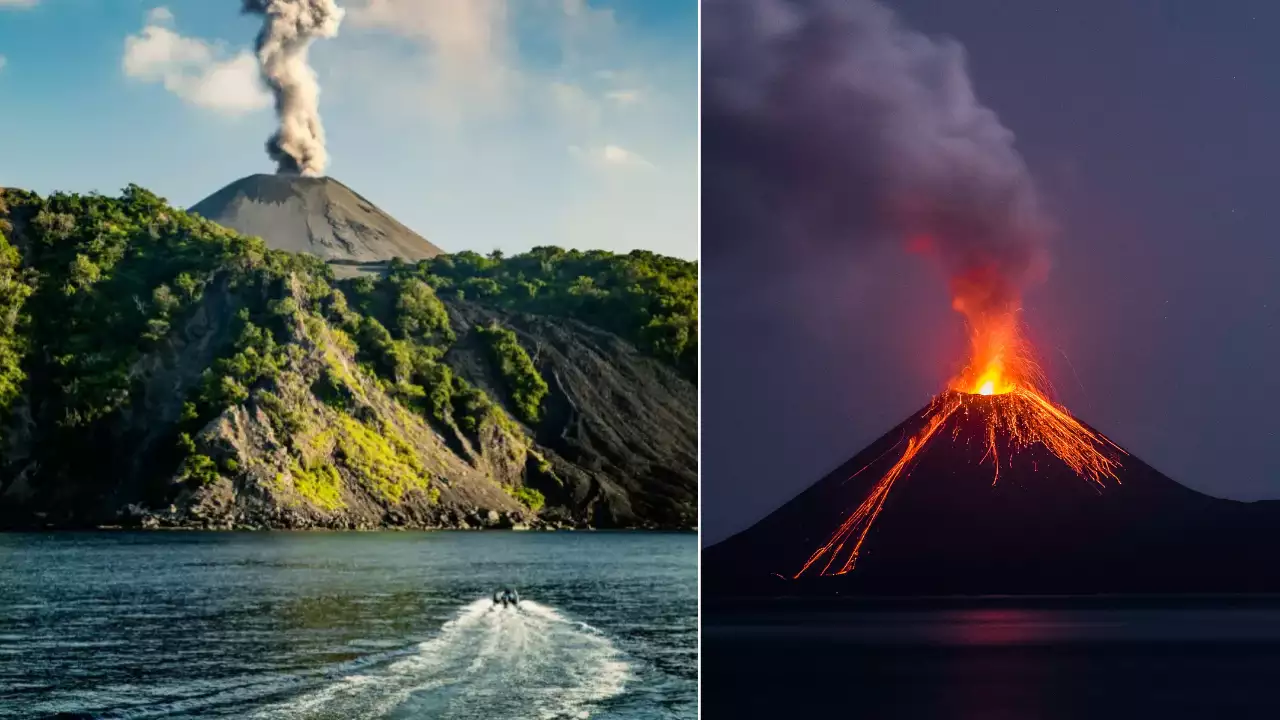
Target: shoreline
(17,530)
(139,519)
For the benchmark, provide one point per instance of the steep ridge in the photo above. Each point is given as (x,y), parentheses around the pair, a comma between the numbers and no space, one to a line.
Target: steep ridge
(624,425)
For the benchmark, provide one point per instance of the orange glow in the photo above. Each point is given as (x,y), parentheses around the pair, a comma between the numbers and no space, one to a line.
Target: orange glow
(858,524)
(1016,411)
(999,361)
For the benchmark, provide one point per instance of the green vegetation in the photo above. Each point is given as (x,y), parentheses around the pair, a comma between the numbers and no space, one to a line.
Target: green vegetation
(646,298)
(470,405)
(384,462)
(528,497)
(526,386)
(100,285)
(96,284)
(407,356)
(545,469)
(257,356)
(124,319)
(15,287)
(108,278)
(321,486)
(420,313)
(199,469)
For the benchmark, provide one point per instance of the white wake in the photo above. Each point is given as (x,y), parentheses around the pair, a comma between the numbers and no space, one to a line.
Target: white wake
(487,662)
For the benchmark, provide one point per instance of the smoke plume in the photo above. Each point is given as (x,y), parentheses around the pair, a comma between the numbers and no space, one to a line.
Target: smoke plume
(288,28)
(826,122)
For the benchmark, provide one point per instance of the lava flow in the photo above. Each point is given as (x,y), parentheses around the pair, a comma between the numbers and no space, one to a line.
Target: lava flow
(1015,409)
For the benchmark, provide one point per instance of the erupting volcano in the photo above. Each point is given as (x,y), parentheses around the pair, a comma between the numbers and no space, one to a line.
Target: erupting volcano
(1012,409)
(833,128)
(995,488)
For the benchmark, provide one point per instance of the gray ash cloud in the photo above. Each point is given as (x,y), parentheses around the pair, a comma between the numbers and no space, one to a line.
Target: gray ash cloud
(828,123)
(288,29)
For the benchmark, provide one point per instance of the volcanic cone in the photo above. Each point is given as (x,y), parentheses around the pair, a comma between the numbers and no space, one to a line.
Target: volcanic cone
(977,511)
(316,215)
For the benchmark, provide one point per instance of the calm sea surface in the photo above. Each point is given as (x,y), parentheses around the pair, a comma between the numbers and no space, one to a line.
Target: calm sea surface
(996,659)
(359,625)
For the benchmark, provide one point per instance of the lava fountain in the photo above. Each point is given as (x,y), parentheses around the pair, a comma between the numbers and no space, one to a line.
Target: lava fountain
(1005,386)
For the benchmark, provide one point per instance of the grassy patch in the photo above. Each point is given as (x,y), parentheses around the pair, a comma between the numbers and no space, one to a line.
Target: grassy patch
(321,485)
(527,496)
(383,461)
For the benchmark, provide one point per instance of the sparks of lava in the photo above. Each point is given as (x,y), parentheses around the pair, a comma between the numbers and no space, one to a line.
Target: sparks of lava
(1003,368)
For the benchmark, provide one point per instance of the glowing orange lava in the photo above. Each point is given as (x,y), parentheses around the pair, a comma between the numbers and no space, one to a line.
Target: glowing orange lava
(1017,411)
(1000,361)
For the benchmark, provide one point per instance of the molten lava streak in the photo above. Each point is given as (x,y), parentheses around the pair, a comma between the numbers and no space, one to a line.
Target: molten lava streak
(1001,367)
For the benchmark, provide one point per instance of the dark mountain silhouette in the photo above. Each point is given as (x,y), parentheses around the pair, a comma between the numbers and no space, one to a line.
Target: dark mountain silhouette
(947,529)
(320,216)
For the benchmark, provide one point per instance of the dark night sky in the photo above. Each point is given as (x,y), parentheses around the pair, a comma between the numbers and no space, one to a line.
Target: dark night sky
(1151,130)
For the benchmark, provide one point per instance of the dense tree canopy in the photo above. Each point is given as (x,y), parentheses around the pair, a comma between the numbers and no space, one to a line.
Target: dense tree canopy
(649,299)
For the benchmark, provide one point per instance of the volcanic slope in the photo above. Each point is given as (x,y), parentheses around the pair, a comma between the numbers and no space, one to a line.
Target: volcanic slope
(320,216)
(949,525)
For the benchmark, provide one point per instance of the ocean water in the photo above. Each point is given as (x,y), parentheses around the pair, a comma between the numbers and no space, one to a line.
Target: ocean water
(348,625)
(1165,658)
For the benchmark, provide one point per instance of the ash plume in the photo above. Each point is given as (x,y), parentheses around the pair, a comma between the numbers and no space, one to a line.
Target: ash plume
(827,123)
(288,28)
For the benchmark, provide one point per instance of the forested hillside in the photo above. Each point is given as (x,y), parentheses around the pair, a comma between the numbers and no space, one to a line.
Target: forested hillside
(158,369)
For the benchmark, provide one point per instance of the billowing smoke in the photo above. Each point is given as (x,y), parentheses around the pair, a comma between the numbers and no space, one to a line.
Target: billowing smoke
(288,28)
(826,122)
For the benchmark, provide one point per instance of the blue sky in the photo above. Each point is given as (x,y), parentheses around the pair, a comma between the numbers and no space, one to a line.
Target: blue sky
(482,124)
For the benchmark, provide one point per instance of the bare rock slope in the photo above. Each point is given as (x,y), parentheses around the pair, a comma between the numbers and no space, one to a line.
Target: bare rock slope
(620,428)
(320,216)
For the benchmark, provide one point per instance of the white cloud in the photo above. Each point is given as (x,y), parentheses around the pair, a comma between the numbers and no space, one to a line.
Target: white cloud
(466,46)
(160,16)
(472,56)
(3,61)
(479,60)
(18,3)
(608,156)
(574,112)
(460,30)
(199,72)
(615,155)
(625,97)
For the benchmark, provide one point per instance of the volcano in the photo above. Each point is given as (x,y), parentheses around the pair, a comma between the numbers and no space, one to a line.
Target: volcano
(316,215)
(977,510)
